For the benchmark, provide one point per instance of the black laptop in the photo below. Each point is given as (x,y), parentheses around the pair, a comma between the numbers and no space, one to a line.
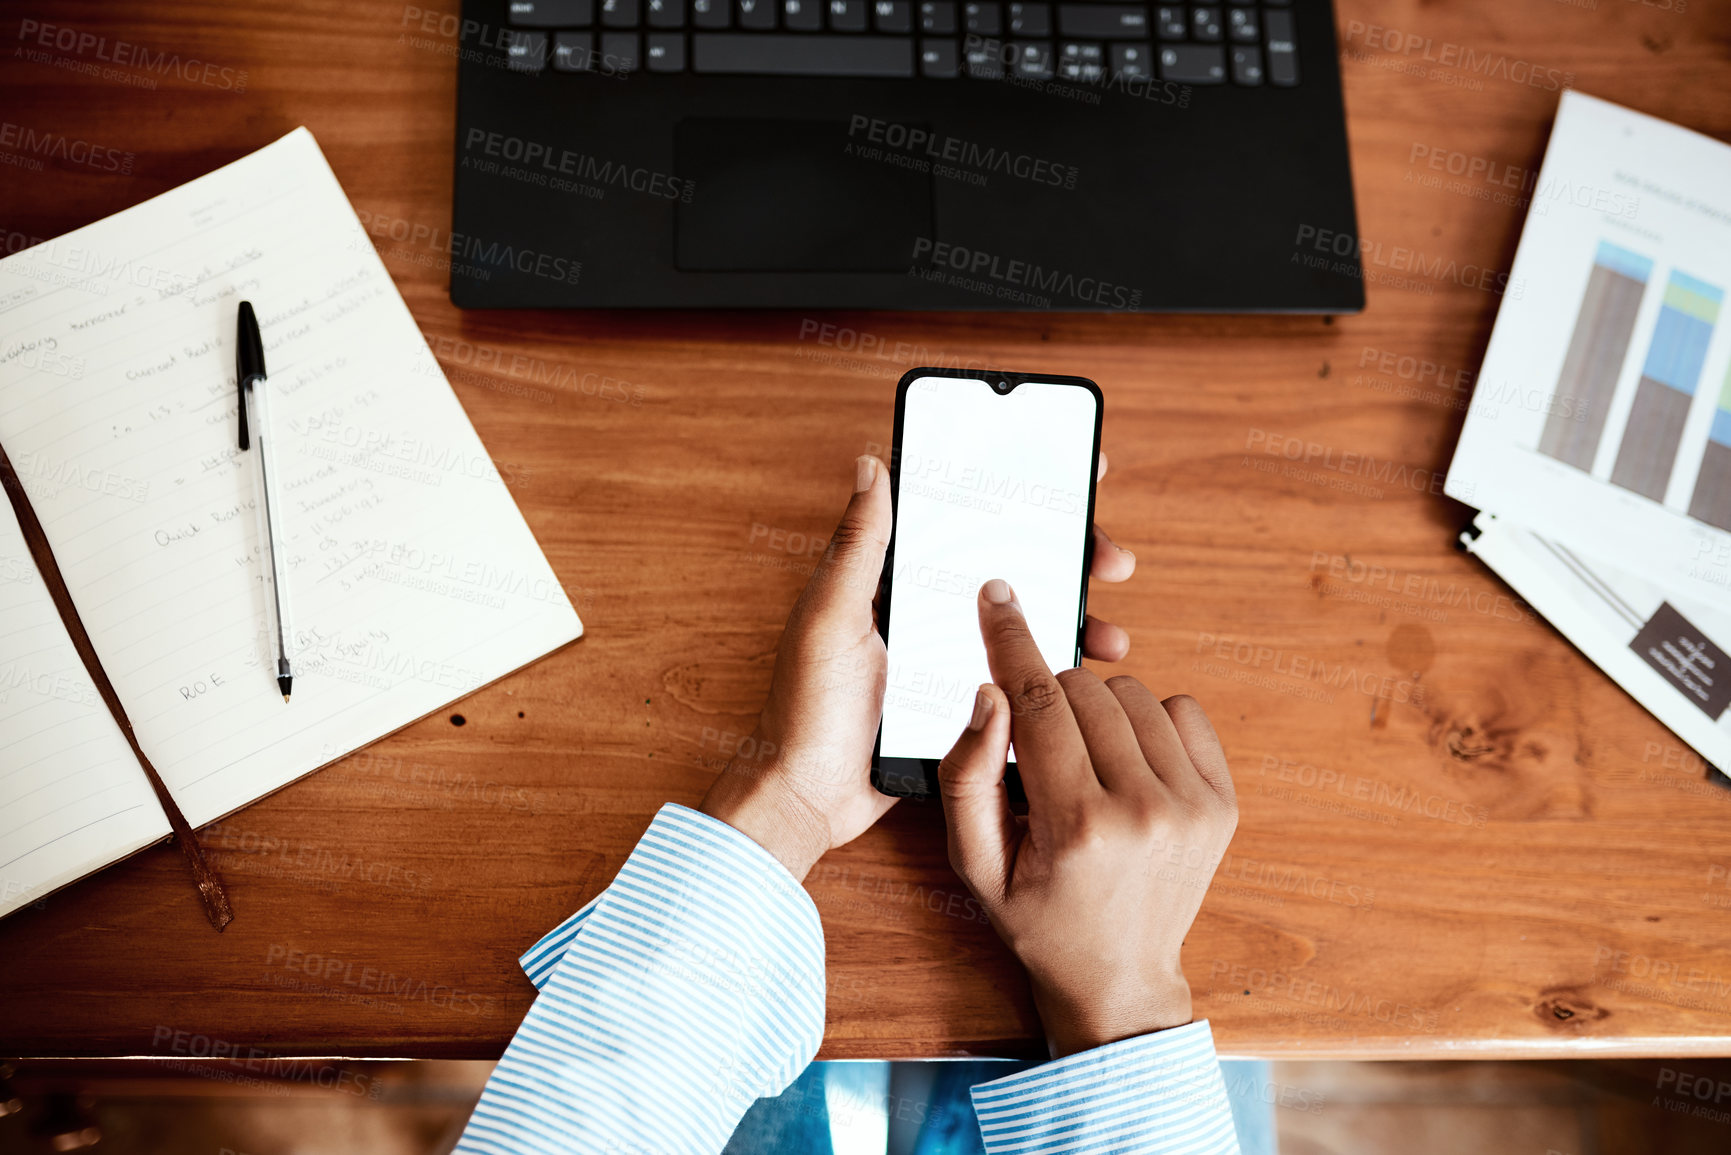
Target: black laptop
(902,154)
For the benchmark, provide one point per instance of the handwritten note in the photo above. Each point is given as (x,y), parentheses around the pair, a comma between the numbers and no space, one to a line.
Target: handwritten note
(411,575)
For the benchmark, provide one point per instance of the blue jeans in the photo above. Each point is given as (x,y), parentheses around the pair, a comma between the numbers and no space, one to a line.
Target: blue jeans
(924,1109)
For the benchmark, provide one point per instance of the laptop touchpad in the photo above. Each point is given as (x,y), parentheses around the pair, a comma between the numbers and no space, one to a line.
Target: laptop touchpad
(796,196)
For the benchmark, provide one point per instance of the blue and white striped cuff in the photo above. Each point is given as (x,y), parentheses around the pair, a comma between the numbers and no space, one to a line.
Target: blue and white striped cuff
(692,986)
(1158,1093)
(539,960)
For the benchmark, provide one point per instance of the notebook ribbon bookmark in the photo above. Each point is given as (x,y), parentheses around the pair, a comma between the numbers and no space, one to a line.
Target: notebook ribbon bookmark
(210,890)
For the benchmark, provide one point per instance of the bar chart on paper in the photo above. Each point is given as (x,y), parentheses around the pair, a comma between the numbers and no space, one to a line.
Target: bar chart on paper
(1603,330)
(1648,451)
(1601,418)
(1711,502)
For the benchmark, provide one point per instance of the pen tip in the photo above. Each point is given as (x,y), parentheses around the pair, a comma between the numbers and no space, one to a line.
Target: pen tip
(285,699)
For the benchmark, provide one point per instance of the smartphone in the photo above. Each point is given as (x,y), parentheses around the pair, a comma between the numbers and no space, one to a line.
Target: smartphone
(991,476)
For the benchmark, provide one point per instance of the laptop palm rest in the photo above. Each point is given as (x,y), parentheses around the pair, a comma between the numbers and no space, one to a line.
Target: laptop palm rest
(794,196)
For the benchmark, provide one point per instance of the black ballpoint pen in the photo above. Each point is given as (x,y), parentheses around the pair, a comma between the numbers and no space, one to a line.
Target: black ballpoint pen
(250,377)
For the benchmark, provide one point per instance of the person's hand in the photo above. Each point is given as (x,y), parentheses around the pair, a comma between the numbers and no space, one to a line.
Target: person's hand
(806,785)
(1130,808)
(1103,641)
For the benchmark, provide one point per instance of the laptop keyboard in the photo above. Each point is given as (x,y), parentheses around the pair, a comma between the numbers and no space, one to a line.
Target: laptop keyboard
(1238,42)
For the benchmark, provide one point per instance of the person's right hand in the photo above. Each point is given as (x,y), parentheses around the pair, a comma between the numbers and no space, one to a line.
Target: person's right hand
(1130,809)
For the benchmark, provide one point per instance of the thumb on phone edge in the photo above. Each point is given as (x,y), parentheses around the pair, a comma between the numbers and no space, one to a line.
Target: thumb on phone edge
(982,831)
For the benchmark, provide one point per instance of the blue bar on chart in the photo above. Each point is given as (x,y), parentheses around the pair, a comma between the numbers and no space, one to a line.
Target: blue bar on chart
(1712,500)
(1668,380)
(1595,357)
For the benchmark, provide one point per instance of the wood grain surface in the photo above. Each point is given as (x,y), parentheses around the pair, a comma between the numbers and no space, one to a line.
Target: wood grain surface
(1458,837)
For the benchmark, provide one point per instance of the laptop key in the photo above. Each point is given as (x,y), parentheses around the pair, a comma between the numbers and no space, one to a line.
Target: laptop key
(572,51)
(1031,19)
(757,15)
(1247,66)
(526,51)
(1205,24)
(1106,21)
(666,13)
(1133,61)
(983,60)
(1033,61)
(665,52)
(1085,62)
(803,54)
(1241,25)
(550,13)
(938,59)
(982,19)
(709,13)
(619,51)
(893,16)
(938,17)
(1282,49)
(802,15)
(847,15)
(1193,63)
(618,13)
(1169,19)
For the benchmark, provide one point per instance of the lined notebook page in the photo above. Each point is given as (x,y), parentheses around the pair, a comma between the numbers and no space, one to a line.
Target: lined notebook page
(71,793)
(411,575)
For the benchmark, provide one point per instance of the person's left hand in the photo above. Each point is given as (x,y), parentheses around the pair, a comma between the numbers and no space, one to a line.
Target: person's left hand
(807,788)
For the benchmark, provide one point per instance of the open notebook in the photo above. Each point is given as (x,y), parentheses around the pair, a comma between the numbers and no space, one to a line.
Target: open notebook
(412,576)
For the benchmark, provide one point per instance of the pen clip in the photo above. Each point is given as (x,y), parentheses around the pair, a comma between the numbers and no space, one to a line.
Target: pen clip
(244,442)
(248,362)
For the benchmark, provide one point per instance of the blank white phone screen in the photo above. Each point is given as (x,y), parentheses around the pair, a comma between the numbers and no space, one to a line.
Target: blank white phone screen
(991,486)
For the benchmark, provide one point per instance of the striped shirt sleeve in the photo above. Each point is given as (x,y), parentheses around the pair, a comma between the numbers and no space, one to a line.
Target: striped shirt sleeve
(1156,1094)
(539,960)
(689,988)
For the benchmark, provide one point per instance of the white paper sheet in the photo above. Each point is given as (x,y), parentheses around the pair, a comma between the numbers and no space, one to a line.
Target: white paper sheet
(1602,414)
(71,793)
(412,577)
(1606,611)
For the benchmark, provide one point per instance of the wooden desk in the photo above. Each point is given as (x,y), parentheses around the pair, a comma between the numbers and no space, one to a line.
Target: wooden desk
(1458,838)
